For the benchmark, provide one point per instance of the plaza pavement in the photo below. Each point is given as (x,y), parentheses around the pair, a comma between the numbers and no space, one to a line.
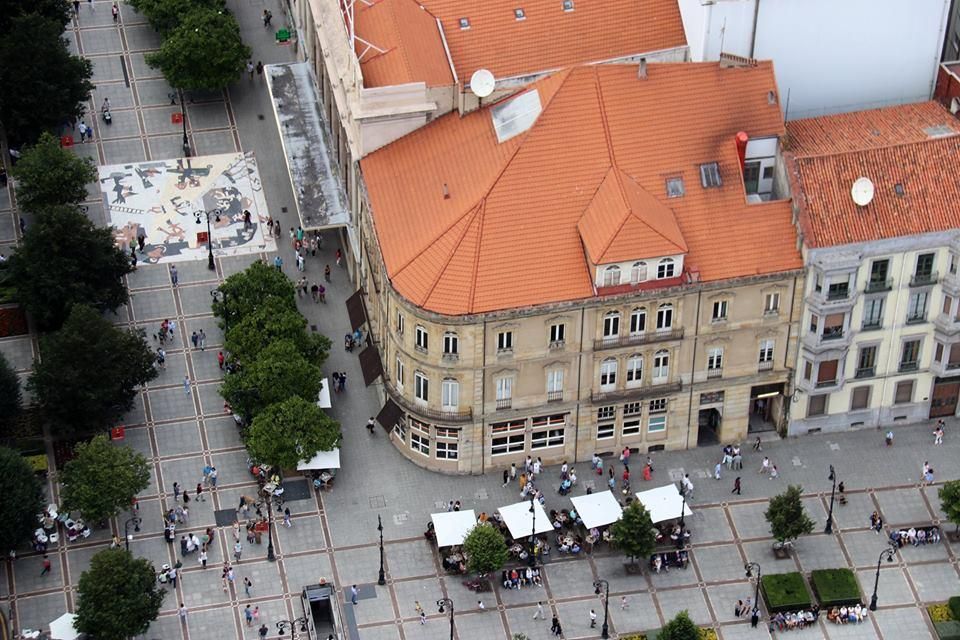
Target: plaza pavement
(334,535)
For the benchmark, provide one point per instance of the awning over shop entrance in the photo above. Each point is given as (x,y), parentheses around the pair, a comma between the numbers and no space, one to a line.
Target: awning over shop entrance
(370,364)
(389,415)
(356,310)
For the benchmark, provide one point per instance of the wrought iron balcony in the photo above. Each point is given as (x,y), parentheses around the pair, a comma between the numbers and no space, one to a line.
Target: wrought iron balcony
(637,339)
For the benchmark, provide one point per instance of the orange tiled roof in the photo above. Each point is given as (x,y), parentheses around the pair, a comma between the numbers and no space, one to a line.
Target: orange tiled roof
(860,130)
(410,38)
(508,232)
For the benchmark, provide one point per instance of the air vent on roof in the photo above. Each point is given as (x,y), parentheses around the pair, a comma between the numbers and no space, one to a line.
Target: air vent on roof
(519,14)
(862,191)
(771,97)
(938,131)
(464,23)
(568,5)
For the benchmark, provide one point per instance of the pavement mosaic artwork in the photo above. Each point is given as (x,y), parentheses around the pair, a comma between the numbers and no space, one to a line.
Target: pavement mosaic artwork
(167,199)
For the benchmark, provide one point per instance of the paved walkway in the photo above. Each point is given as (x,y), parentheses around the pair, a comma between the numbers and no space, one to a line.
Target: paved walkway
(334,535)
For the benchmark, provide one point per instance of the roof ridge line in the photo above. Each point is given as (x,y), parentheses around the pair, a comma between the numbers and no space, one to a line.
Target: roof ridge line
(644,222)
(892,145)
(399,36)
(481,214)
(453,251)
(612,157)
(456,221)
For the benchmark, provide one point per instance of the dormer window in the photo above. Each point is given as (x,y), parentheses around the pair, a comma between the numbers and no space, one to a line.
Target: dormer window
(638,272)
(666,268)
(568,5)
(519,14)
(674,187)
(611,276)
(464,23)
(710,175)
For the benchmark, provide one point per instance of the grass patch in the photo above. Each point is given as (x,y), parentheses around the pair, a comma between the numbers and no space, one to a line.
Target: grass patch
(835,587)
(705,634)
(785,592)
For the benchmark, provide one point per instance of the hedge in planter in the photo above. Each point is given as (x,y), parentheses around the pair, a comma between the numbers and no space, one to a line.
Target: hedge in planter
(947,630)
(785,592)
(954,604)
(835,587)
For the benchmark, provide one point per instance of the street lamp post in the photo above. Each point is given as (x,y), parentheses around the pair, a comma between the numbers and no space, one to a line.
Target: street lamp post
(381,579)
(683,508)
(887,553)
(532,559)
(198,215)
(219,295)
(749,568)
(447,602)
(135,521)
(833,491)
(183,120)
(605,630)
(270,555)
(283,625)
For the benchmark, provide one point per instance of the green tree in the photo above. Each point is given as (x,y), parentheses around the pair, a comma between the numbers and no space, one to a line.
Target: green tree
(23,499)
(291,431)
(118,596)
(634,532)
(204,53)
(44,84)
(48,175)
(103,478)
(786,515)
(89,372)
(57,11)
(270,323)
(166,15)
(254,287)
(280,372)
(10,396)
(66,260)
(949,495)
(485,548)
(680,628)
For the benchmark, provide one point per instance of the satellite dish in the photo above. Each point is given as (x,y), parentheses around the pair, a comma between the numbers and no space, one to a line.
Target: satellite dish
(482,83)
(862,191)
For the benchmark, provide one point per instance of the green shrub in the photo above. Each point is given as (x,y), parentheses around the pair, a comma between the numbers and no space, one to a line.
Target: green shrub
(949,630)
(785,592)
(835,587)
(954,604)
(939,613)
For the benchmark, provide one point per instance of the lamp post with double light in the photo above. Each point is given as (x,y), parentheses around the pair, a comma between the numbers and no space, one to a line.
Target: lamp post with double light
(532,559)
(135,521)
(889,553)
(749,568)
(381,579)
(833,491)
(605,629)
(444,604)
(302,623)
(199,215)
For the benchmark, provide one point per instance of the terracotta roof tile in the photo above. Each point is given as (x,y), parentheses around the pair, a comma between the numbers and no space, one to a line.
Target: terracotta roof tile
(509,235)
(410,38)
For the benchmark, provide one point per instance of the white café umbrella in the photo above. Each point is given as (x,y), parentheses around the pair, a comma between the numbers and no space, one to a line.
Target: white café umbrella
(519,520)
(323,398)
(452,527)
(62,628)
(664,503)
(323,460)
(597,509)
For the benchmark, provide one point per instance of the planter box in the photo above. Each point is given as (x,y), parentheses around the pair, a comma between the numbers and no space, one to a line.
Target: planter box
(785,592)
(835,587)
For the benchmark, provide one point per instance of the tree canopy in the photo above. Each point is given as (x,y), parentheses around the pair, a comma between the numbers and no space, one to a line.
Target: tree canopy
(786,515)
(66,260)
(254,287)
(10,396)
(166,15)
(44,84)
(118,596)
(680,628)
(103,478)
(203,53)
(89,373)
(48,175)
(290,431)
(633,533)
(485,548)
(949,495)
(57,11)
(280,372)
(269,323)
(22,500)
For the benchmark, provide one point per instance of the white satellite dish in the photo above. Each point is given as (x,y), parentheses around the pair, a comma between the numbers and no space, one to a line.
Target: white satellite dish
(482,83)
(862,191)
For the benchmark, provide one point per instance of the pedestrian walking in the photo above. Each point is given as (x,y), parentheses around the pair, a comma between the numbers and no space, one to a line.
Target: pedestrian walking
(250,68)
(623,603)
(213,477)
(764,466)
(687,486)
(889,438)
(774,474)
(220,359)
(286,518)
(264,631)
(47,565)
(267,17)
(195,339)
(176,491)
(938,435)
(758,445)
(278,263)
(76,7)
(202,339)
(237,550)
(247,585)
(182,610)
(481,606)
(353,594)
(203,559)
(174,276)
(116,12)
(326,273)
(186,385)
(736,486)
(199,493)
(339,257)
(593,619)
(539,612)
(423,616)
(506,477)
(716,470)
(161,358)
(260,68)
(301,263)
(83,131)
(248,615)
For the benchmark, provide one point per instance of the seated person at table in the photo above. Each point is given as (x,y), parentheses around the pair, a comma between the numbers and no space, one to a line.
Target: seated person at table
(565,486)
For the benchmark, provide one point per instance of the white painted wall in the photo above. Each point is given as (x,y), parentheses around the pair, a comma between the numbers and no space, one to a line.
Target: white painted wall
(829,55)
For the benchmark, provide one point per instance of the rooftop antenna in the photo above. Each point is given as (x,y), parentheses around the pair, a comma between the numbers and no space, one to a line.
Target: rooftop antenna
(862,191)
(482,83)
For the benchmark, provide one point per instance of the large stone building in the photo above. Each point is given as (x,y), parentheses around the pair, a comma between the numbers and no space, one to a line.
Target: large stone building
(601,260)
(875,195)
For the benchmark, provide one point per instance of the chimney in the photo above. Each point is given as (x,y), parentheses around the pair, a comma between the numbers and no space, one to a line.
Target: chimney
(642,69)
(446,192)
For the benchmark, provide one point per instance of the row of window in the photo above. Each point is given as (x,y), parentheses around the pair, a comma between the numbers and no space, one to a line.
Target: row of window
(450,387)
(446,444)
(512,436)
(451,340)
(664,319)
(639,272)
(632,419)
(829,370)
(833,326)
(818,405)
(839,287)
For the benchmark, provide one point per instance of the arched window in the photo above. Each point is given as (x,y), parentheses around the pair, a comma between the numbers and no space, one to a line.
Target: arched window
(638,321)
(665,317)
(611,325)
(611,276)
(666,268)
(661,365)
(634,370)
(608,374)
(638,273)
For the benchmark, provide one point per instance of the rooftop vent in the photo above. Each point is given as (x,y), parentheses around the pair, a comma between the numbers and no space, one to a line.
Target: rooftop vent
(568,5)
(464,23)
(771,98)
(519,14)
(898,189)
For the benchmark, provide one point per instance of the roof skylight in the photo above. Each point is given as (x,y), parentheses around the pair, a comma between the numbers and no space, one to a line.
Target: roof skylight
(514,116)
(464,23)
(568,5)
(519,14)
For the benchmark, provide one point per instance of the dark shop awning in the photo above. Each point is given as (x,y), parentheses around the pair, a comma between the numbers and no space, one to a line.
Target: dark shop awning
(356,310)
(389,415)
(370,364)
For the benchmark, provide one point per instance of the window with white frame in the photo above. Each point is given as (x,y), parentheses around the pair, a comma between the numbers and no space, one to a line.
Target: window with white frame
(555,381)
(634,374)
(715,358)
(656,424)
(719,310)
(557,333)
(657,418)
(661,366)
(450,394)
(508,437)
(422,338)
(420,437)
(606,430)
(771,303)
(451,343)
(666,268)
(710,175)
(766,349)
(606,422)
(611,324)
(421,387)
(399,374)
(400,428)
(638,321)
(446,444)
(504,387)
(611,276)
(548,431)
(675,187)
(505,341)
(638,272)
(665,317)
(399,323)
(632,412)
(608,374)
